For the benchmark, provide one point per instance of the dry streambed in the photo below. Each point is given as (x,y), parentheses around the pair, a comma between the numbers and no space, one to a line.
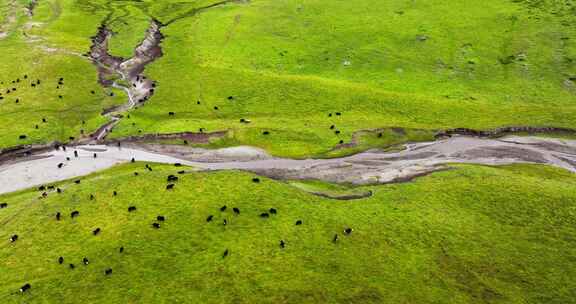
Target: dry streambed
(371,167)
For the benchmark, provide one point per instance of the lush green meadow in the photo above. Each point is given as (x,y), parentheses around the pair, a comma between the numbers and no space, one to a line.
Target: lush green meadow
(324,78)
(424,65)
(287,64)
(470,235)
(27,58)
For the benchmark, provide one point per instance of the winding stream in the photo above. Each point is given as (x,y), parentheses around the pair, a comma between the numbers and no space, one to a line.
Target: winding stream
(371,167)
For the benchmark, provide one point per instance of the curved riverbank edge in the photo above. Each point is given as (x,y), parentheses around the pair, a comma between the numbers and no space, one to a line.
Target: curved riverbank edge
(13,153)
(372,167)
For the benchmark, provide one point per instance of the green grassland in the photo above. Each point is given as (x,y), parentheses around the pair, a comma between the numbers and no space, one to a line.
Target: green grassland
(283,61)
(396,71)
(289,63)
(48,63)
(473,234)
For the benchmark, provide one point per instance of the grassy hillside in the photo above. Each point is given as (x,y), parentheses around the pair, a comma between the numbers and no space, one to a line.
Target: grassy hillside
(27,58)
(427,65)
(470,235)
(289,63)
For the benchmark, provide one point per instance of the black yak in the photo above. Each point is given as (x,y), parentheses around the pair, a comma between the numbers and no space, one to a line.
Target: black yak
(273,211)
(160,218)
(60,260)
(156,225)
(74,214)
(298,222)
(96,231)
(25,288)
(223,208)
(13,238)
(209,218)
(131,208)
(108,271)
(236,210)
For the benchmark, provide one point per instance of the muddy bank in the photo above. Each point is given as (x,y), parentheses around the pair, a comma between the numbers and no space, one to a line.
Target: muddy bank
(345,197)
(503,131)
(191,137)
(370,167)
(14,154)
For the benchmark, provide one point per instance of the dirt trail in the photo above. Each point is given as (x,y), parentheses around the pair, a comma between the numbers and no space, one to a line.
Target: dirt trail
(371,167)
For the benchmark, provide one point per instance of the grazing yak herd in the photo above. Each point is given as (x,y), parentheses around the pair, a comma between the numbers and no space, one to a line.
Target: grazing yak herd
(17,83)
(22,83)
(11,89)
(171,180)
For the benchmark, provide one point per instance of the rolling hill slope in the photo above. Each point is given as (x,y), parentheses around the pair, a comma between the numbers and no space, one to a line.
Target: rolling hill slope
(470,235)
(286,65)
